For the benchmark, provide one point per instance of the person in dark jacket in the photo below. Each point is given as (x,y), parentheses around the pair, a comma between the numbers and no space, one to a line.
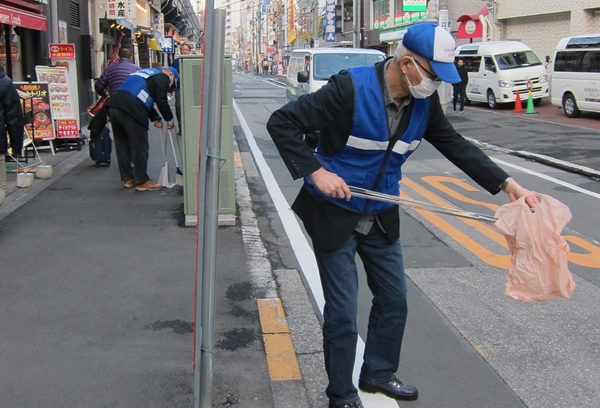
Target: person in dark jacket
(111,79)
(370,120)
(11,123)
(460,88)
(129,110)
(184,49)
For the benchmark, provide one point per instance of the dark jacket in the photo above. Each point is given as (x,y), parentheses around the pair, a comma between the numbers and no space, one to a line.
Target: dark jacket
(463,73)
(114,76)
(331,110)
(11,115)
(158,86)
(175,64)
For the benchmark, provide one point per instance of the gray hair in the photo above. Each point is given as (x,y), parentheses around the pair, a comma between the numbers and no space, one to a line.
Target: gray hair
(400,52)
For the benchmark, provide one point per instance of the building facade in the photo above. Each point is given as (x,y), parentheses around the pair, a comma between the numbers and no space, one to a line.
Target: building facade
(542,23)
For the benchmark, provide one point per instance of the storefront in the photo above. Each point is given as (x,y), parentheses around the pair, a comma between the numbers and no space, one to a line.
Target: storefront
(21,24)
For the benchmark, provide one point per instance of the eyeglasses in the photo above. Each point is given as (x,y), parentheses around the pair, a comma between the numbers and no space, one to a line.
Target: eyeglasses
(432,76)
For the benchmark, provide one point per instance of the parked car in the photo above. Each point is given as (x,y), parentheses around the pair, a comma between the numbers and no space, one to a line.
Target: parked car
(576,75)
(498,69)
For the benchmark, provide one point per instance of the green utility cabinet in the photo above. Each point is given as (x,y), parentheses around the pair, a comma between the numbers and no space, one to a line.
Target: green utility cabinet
(191,105)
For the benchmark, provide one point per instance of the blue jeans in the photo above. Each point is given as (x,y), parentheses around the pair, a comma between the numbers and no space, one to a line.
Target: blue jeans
(339,278)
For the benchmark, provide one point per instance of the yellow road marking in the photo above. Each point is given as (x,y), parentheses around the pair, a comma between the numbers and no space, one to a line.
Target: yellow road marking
(237,160)
(590,259)
(281,356)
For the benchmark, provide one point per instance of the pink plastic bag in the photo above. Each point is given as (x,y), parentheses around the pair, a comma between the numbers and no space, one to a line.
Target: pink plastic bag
(539,266)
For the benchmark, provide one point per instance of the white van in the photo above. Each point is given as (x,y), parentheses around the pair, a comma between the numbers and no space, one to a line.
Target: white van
(576,74)
(497,69)
(310,68)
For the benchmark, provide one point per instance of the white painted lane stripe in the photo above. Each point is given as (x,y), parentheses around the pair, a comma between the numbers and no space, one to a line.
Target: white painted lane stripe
(305,255)
(552,179)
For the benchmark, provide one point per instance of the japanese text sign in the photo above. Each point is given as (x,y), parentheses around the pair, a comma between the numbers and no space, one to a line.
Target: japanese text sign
(330,21)
(61,51)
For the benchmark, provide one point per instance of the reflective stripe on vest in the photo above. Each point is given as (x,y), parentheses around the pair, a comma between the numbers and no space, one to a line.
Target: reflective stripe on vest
(367,160)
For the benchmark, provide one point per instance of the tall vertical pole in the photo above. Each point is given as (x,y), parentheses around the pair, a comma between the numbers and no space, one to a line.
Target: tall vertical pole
(212,83)
(355,19)
(362,23)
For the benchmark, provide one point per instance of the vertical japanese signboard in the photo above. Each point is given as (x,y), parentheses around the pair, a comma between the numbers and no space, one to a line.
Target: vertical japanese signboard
(125,9)
(158,24)
(61,99)
(63,55)
(291,36)
(414,5)
(41,127)
(330,35)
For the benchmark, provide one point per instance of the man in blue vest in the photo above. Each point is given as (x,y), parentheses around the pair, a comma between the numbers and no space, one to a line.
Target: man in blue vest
(370,120)
(129,110)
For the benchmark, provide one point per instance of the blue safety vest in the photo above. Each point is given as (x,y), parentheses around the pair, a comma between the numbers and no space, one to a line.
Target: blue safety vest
(367,160)
(136,84)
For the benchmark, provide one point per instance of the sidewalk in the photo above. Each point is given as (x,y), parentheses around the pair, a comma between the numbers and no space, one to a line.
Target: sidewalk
(97,291)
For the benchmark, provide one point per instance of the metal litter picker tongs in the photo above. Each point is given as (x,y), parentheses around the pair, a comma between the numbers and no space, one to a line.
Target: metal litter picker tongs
(373,195)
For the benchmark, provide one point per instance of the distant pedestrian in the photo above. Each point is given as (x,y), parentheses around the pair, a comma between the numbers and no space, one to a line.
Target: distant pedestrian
(184,49)
(11,122)
(460,88)
(129,110)
(112,78)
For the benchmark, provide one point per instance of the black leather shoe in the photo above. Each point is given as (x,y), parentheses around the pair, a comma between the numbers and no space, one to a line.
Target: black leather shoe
(355,404)
(393,388)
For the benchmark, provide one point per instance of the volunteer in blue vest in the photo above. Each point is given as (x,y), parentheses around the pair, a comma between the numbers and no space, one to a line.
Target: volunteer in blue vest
(370,120)
(129,110)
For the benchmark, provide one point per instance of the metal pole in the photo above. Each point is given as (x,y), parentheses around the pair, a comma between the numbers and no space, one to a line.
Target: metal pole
(53,4)
(354,22)
(212,113)
(362,23)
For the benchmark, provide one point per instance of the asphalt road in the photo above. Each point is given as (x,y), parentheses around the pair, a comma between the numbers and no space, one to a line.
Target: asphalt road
(466,345)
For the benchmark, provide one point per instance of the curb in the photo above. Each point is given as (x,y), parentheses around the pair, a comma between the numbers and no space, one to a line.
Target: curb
(540,158)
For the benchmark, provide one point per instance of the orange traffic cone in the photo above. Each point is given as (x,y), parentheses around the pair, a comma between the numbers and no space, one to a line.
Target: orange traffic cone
(518,105)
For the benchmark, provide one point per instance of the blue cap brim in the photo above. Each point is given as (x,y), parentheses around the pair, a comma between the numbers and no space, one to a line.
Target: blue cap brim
(446,71)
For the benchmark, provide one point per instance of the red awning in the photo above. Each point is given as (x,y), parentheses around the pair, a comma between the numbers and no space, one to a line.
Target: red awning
(470,26)
(21,18)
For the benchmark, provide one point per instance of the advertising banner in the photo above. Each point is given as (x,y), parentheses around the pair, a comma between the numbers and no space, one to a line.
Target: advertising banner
(61,51)
(59,90)
(330,35)
(67,129)
(167,44)
(41,127)
(158,25)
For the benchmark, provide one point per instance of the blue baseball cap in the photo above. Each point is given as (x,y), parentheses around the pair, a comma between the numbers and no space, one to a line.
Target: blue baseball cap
(174,72)
(437,45)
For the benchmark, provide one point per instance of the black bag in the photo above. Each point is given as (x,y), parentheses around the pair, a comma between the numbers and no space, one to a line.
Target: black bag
(98,123)
(101,147)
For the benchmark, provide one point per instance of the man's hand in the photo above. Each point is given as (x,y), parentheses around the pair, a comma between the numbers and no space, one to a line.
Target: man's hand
(170,125)
(158,124)
(515,191)
(330,184)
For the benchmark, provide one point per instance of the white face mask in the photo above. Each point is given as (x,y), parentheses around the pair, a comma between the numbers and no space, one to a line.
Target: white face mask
(426,88)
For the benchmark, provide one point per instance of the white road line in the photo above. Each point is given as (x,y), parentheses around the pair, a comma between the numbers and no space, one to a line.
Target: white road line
(545,177)
(305,255)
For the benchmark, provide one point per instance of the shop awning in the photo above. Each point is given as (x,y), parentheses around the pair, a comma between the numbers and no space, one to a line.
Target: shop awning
(154,45)
(21,18)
